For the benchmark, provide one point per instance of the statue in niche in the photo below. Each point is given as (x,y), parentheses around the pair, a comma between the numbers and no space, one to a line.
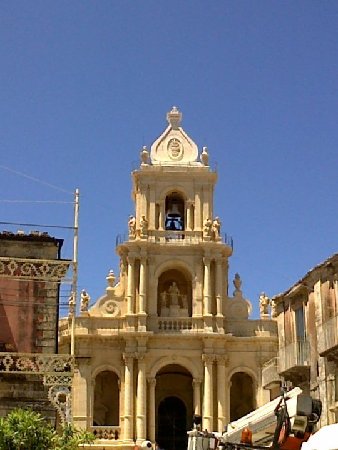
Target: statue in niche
(207,228)
(132,226)
(174,292)
(264,302)
(85,299)
(144,225)
(237,282)
(216,228)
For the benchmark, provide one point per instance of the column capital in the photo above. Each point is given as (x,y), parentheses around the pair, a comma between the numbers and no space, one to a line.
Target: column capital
(196,382)
(222,360)
(151,381)
(208,358)
(128,358)
(206,260)
(140,356)
(131,259)
(143,256)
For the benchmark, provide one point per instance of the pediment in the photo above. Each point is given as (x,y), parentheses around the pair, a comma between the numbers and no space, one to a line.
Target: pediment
(174,146)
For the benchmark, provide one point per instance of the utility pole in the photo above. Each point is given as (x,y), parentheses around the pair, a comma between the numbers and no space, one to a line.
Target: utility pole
(75,269)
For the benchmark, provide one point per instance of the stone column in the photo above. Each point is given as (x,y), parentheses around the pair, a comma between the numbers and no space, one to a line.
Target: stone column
(131,285)
(161,216)
(141,405)
(197,396)
(198,209)
(143,278)
(128,396)
(81,393)
(151,409)
(208,397)
(221,399)
(206,287)
(219,287)
(152,207)
(188,216)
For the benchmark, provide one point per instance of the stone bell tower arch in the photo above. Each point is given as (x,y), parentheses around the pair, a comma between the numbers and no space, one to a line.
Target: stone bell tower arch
(174,218)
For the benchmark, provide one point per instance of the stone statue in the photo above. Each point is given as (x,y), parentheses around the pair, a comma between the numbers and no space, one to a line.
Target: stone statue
(216,228)
(273,305)
(132,226)
(237,282)
(144,225)
(207,227)
(144,155)
(85,299)
(264,302)
(174,293)
(205,156)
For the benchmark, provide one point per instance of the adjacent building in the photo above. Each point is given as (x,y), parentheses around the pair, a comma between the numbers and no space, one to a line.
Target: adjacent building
(31,270)
(306,316)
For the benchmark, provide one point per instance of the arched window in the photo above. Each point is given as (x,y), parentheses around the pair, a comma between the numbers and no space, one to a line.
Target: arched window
(174,212)
(106,399)
(174,294)
(241,395)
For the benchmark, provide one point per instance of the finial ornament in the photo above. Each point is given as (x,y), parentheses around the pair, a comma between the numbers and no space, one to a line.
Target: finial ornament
(111,278)
(174,117)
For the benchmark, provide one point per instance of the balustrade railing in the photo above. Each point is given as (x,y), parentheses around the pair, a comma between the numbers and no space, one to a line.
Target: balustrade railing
(173,236)
(106,432)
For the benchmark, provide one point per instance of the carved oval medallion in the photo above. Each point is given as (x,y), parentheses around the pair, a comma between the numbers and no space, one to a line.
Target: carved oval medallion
(175,149)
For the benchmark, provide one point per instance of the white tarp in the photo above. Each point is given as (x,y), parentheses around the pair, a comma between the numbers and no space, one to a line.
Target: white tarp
(325,439)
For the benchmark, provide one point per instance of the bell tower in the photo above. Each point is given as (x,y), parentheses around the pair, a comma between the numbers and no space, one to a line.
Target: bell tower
(177,257)
(166,341)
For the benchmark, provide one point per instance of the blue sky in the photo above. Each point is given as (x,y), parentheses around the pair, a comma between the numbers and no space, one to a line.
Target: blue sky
(85,84)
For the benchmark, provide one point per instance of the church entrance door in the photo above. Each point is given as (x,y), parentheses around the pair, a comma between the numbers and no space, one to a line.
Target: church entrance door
(172,424)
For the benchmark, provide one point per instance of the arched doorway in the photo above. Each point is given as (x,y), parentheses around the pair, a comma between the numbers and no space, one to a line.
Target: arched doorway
(172,424)
(174,407)
(241,395)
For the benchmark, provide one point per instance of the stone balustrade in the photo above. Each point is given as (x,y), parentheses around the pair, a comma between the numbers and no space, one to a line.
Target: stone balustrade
(106,432)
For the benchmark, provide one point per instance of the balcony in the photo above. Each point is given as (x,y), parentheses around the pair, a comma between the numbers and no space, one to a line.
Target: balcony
(294,361)
(328,338)
(174,237)
(270,377)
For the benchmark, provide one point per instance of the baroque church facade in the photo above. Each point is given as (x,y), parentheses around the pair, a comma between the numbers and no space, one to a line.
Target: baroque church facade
(169,339)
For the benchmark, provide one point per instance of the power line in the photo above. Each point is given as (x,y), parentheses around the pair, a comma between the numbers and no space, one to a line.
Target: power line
(36,201)
(37,180)
(36,225)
